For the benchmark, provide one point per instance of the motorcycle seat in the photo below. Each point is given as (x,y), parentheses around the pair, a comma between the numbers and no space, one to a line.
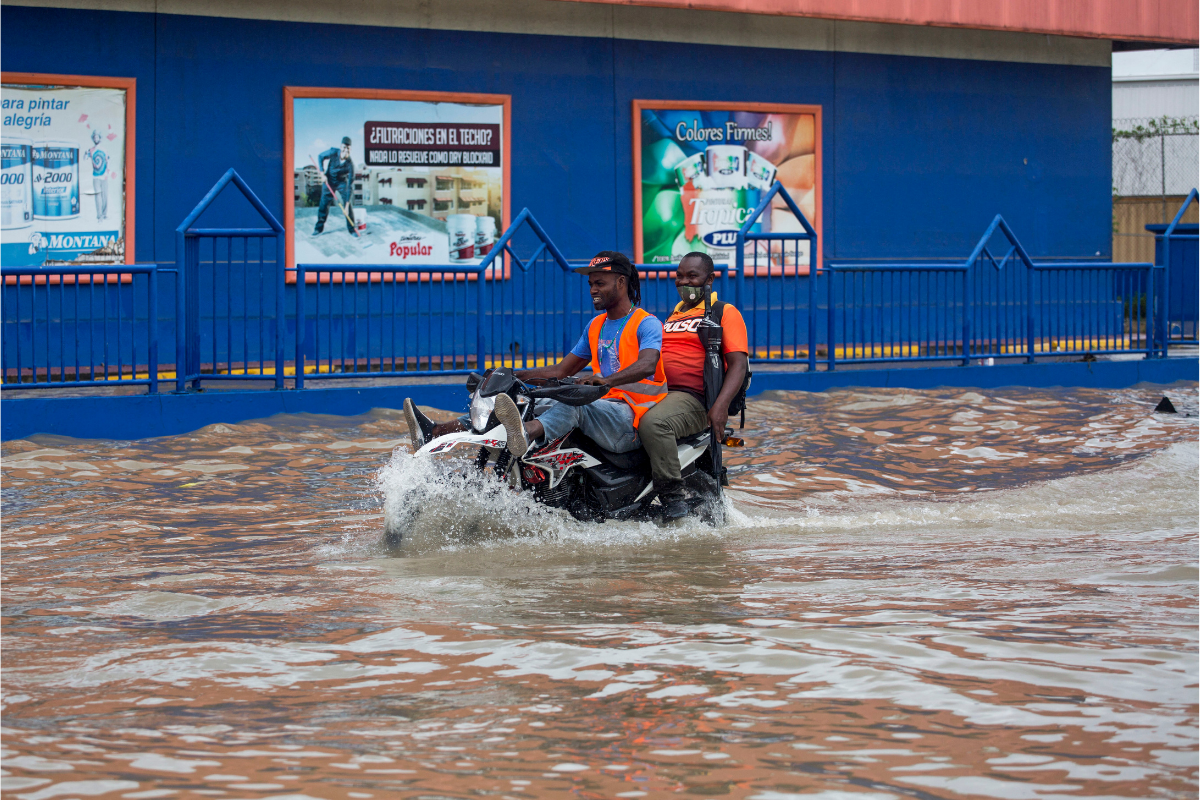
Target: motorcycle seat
(696,439)
(631,461)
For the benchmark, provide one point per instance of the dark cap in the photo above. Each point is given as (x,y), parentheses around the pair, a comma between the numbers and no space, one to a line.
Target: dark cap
(345,140)
(608,261)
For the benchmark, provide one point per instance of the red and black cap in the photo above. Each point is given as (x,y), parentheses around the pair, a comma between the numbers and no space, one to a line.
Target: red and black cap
(609,261)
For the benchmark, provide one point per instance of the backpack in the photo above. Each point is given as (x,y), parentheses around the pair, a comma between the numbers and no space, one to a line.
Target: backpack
(738,404)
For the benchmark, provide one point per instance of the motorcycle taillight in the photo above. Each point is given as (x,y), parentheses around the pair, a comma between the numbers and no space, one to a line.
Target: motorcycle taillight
(533,475)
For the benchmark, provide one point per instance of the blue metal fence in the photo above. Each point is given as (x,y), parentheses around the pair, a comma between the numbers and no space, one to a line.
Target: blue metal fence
(1177,250)
(523,307)
(986,307)
(989,306)
(80,326)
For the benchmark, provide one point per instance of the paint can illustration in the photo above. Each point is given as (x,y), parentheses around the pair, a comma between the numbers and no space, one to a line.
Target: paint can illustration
(16,184)
(760,170)
(689,168)
(485,235)
(461,228)
(55,180)
(726,165)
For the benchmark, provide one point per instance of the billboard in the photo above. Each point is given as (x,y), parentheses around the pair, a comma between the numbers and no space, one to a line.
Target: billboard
(65,195)
(406,178)
(700,169)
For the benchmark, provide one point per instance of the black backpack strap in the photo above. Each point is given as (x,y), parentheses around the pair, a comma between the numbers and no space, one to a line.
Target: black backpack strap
(718,309)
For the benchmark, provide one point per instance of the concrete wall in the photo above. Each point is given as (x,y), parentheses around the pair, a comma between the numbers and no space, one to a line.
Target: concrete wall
(928,132)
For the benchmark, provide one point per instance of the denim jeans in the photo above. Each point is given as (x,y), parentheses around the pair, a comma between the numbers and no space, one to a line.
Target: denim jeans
(609,423)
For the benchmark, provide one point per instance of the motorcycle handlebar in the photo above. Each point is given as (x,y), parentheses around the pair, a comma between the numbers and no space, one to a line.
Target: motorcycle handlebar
(571,394)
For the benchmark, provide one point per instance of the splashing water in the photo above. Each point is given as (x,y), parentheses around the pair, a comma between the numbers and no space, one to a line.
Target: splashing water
(917,594)
(446,504)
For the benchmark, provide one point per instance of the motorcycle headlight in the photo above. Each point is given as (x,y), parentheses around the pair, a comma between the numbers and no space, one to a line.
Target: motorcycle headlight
(481,412)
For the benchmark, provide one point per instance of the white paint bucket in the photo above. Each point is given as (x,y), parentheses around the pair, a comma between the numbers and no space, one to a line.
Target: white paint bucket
(760,170)
(726,166)
(16,193)
(689,168)
(56,176)
(485,235)
(461,229)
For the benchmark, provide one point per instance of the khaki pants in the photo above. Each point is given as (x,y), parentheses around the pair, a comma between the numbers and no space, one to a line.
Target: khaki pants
(676,415)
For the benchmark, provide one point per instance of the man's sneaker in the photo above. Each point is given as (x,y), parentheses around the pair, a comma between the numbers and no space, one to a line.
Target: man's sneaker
(510,417)
(316,232)
(420,427)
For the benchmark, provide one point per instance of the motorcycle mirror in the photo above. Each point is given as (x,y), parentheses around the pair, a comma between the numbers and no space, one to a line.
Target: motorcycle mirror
(473,381)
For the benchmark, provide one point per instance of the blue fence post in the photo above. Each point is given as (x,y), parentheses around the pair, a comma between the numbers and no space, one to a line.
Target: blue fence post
(966,331)
(566,307)
(812,313)
(480,349)
(1150,318)
(1164,313)
(740,284)
(180,313)
(280,313)
(1030,285)
(191,257)
(152,333)
(301,325)
(831,343)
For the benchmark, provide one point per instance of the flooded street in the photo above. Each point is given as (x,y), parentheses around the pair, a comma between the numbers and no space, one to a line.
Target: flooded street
(934,594)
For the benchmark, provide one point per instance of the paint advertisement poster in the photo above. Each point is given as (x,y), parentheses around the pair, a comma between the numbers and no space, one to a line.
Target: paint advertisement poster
(389,179)
(62,195)
(702,168)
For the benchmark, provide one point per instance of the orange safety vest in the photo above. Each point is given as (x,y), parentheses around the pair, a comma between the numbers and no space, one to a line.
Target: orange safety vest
(640,396)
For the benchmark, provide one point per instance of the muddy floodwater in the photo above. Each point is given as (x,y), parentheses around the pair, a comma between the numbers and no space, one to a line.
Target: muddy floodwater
(936,594)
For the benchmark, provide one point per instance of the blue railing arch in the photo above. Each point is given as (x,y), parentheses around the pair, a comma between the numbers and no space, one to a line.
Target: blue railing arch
(189,244)
(748,295)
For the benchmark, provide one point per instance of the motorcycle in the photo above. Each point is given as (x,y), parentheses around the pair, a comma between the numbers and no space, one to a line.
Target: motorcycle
(572,472)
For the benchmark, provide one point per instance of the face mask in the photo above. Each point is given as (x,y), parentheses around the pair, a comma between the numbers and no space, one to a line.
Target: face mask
(690,294)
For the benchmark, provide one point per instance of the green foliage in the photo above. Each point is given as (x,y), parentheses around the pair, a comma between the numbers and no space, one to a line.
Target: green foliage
(1163,126)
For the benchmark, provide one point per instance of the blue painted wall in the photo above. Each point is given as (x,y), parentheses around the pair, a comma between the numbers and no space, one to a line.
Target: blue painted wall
(920,153)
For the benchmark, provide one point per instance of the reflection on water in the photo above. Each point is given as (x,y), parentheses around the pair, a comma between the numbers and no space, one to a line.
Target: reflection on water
(919,594)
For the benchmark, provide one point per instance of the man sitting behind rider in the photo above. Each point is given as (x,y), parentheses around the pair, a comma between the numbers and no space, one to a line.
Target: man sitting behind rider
(682,412)
(623,347)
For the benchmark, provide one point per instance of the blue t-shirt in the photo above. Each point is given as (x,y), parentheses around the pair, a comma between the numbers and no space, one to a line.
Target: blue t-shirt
(99,163)
(649,333)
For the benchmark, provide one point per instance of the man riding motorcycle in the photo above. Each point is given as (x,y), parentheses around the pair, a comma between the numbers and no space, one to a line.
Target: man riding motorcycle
(682,412)
(623,347)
